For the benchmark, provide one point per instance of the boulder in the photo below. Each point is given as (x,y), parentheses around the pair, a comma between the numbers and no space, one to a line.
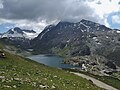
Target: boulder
(2,54)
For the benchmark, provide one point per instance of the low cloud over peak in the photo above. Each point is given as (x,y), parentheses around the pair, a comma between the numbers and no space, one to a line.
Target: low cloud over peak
(49,11)
(46,10)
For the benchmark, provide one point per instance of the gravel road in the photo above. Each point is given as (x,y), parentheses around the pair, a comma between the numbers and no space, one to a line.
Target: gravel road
(96,82)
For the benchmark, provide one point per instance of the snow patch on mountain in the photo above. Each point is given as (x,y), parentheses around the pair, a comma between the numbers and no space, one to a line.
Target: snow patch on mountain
(17,32)
(13,34)
(30,35)
(118,31)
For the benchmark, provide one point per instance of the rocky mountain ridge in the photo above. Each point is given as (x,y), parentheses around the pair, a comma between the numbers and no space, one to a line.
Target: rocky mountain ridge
(18,37)
(83,42)
(74,34)
(19,33)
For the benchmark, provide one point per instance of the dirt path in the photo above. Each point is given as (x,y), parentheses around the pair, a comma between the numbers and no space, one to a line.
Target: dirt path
(96,82)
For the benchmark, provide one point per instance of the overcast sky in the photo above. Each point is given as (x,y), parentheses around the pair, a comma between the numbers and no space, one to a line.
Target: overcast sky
(36,14)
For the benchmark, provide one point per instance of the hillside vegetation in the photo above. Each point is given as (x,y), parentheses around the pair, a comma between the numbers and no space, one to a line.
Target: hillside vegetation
(17,73)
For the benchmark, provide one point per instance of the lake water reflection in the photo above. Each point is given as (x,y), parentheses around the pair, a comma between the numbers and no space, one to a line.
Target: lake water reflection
(50,60)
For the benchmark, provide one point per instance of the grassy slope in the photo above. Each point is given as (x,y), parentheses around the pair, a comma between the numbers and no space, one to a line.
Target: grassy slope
(17,73)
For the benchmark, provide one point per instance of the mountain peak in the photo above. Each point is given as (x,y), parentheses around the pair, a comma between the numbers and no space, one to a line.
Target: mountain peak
(83,20)
(49,26)
(22,33)
(87,21)
(18,30)
(64,22)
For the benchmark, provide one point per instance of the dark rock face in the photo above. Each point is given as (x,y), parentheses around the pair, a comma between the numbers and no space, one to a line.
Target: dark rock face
(81,51)
(17,29)
(18,37)
(115,55)
(17,42)
(111,65)
(59,36)
(78,39)
(66,34)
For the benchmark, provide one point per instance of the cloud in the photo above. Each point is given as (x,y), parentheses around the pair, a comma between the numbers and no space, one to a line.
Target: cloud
(48,10)
(106,8)
(25,24)
(29,13)
(36,14)
(116,19)
(1,6)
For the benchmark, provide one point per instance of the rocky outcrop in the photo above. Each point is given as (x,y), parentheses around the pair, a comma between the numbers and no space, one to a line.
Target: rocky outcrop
(2,54)
(80,39)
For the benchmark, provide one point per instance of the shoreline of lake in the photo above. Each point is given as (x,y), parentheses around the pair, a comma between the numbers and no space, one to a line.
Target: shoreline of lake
(51,60)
